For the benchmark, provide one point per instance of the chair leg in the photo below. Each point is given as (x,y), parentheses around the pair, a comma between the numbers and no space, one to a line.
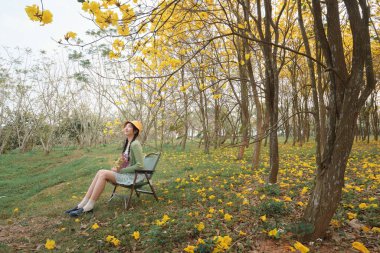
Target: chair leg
(113,193)
(127,204)
(153,191)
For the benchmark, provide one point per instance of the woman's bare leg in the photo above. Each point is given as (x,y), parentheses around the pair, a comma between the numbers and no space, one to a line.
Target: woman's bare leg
(104,176)
(92,185)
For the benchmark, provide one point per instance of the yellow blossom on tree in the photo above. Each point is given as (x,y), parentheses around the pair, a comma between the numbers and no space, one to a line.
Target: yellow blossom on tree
(359,246)
(118,45)
(113,55)
(50,244)
(123,30)
(302,248)
(33,12)
(70,35)
(47,17)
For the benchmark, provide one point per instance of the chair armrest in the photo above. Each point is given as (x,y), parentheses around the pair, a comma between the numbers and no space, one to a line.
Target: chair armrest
(144,171)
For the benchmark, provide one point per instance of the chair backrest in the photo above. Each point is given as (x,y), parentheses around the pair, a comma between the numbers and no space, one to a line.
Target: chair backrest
(151,160)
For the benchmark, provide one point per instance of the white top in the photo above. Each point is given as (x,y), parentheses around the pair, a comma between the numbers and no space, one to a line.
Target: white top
(127,150)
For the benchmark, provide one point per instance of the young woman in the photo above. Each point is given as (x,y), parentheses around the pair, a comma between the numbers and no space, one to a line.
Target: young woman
(132,159)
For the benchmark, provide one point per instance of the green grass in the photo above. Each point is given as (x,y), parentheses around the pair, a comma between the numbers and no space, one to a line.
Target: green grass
(188,184)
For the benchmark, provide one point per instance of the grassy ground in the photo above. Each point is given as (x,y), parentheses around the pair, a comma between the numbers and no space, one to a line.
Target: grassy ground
(213,198)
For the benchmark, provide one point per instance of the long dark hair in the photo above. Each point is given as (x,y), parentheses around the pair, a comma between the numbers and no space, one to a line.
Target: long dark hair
(136,133)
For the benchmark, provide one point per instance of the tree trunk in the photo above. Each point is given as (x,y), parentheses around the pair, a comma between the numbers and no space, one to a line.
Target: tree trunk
(347,95)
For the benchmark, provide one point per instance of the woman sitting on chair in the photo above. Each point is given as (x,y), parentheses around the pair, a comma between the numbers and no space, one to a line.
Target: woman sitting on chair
(131,159)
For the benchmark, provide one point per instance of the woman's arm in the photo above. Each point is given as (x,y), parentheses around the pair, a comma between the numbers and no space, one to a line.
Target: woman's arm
(138,158)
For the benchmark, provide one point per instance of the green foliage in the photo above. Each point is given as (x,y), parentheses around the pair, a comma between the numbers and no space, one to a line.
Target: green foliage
(272,208)
(300,229)
(271,190)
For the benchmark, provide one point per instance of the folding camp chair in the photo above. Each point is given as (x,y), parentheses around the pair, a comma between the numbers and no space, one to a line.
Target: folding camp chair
(150,163)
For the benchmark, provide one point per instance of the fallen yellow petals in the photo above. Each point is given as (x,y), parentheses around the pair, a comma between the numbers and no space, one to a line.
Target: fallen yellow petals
(200,226)
(359,246)
(50,244)
(136,235)
(302,248)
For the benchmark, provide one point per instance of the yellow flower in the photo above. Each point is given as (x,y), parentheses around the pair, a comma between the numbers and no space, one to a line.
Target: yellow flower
(222,243)
(245,202)
(351,215)
(47,17)
(262,197)
(359,246)
(118,45)
(227,217)
(165,218)
(230,203)
(304,190)
(50,244)
(290,248)
(211,210)
(70,35)
(95,226)
(334,223)
(363,206)
(365,229)
(263,218)
(109,238)
(287,199)
(16,210)
(116,242)
(211,197)
(200,226)
(273,232)
(200,241)
(300,203)
(302,248)
(112,239)
(77,220)
(241,233)
(189,249)
(123,30)
(376,229)
(136,235)
(33,12)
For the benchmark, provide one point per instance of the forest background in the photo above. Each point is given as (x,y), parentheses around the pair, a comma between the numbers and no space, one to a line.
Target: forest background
(210,76)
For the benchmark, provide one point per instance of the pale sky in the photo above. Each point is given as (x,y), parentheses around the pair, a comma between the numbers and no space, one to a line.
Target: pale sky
(18,30)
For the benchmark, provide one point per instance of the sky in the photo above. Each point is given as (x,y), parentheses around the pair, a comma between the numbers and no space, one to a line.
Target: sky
(18,30)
